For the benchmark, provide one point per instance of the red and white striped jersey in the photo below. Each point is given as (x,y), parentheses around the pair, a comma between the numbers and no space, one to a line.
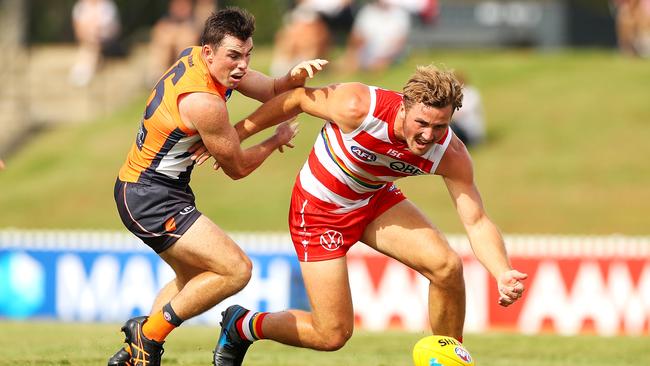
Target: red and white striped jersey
(345,169)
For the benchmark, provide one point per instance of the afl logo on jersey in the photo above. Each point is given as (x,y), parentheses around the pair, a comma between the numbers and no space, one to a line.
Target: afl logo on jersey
(363,154)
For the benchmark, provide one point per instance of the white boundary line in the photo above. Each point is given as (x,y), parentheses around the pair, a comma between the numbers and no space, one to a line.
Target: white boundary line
(564,246)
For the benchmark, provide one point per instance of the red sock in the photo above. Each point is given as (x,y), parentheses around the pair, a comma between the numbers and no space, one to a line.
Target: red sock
(249,326)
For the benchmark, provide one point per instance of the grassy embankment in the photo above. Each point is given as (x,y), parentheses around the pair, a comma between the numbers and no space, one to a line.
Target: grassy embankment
(568,153)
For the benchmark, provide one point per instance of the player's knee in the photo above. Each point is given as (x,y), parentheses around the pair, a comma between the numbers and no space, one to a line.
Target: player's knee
(447,270)
(241,271)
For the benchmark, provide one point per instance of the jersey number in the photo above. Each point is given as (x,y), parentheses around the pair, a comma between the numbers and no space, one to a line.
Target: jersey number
(177,71)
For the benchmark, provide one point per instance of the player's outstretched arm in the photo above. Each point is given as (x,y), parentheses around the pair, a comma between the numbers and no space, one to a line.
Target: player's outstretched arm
(345,104)
(484,236)
(261,87)
(209,116)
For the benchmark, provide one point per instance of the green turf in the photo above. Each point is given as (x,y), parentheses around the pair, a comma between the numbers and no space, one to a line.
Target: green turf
(90,344)
(568,153)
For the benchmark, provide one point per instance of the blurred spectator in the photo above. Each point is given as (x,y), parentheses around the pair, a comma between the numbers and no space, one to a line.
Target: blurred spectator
(468,123)
(632,26)
(338,15)
(178,29)
(96,26)
(2,165)
(202,11)
(625,25)
(427,11)
(643,31)
(309,30)
(378,37)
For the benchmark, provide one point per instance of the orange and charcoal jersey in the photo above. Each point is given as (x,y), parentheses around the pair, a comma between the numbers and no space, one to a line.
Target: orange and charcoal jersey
(160,152)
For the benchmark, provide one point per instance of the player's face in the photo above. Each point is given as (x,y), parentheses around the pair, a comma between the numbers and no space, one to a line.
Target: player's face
(228,63)
(423,126)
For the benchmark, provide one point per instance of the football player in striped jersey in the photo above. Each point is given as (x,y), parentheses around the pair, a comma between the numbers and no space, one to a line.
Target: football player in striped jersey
(345,193)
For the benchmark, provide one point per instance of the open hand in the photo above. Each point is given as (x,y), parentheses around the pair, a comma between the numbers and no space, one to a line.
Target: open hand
(306,69)
(510,287)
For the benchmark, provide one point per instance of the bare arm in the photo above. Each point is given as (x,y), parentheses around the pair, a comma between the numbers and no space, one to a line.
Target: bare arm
(207,113)
(484,236)
(262,87)
(345,104)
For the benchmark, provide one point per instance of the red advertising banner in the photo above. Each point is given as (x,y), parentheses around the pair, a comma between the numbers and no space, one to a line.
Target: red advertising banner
(575,285)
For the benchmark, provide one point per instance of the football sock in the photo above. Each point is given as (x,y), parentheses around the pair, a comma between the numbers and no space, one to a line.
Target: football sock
(249,326)
(160,324)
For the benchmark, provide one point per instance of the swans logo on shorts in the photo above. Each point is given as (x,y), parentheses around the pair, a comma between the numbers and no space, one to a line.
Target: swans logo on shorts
(331,240)
(187,210)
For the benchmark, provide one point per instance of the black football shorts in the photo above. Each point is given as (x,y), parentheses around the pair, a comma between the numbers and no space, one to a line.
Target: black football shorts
(156,213)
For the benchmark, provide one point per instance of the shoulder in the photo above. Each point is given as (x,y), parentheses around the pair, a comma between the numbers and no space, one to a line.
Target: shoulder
(201,102)
(354,97)
(456,162)
(352,88)
(201,110)
(350,103)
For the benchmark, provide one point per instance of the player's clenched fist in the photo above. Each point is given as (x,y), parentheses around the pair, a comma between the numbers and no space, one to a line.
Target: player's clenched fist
(510,287)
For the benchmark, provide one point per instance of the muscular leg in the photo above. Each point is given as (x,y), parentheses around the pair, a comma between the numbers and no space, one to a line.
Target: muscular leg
(165,295)
(330,323)
(405,234)
(209,267)
(170,290)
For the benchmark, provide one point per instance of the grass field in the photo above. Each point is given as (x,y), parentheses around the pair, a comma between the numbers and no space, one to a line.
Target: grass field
(90,344)
(568,153)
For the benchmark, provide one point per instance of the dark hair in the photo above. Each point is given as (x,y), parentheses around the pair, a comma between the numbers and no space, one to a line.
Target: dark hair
(230,21)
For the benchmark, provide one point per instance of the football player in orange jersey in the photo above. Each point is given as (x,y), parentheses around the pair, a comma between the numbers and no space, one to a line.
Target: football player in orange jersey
(186,114)
(345,193)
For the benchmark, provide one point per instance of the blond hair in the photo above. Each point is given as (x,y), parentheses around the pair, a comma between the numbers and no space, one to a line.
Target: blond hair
(433,87)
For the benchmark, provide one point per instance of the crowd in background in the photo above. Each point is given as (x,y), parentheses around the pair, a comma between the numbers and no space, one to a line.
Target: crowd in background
(96,26)
(372,34)
(374,37)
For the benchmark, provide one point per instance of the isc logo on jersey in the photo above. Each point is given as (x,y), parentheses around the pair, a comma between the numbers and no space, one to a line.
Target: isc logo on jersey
(363,154)
(405,168)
